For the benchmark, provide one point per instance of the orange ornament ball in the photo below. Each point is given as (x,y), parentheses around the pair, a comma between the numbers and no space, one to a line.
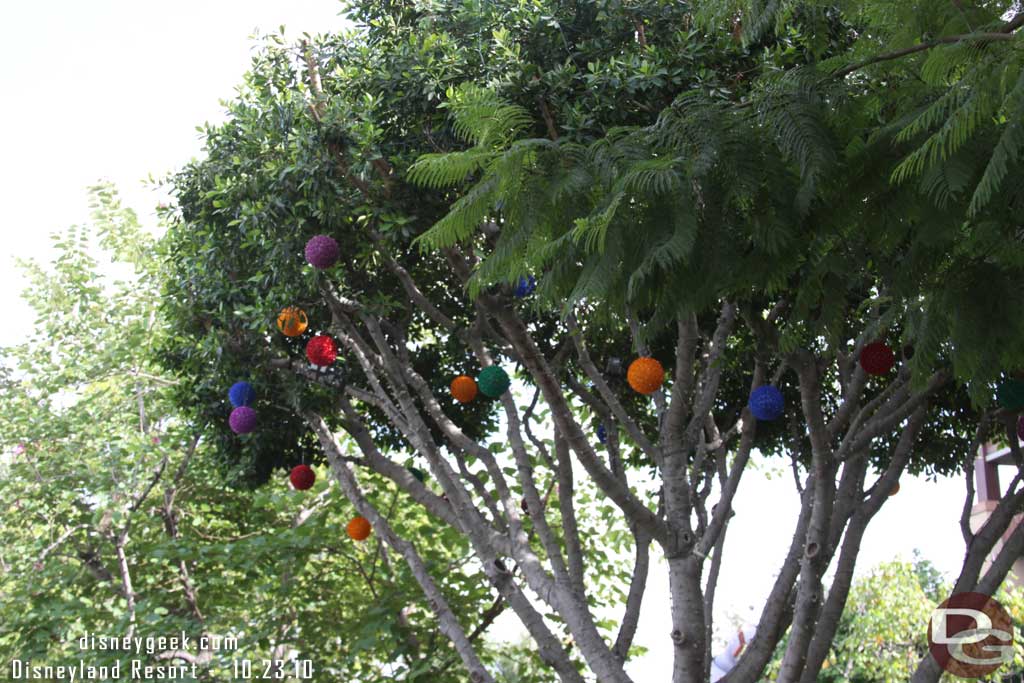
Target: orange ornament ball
(895,489)
(645,375)
(292,321)
(464,389)
(358,529)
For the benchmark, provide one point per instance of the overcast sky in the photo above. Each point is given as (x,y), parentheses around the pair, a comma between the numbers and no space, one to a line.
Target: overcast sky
(115,89)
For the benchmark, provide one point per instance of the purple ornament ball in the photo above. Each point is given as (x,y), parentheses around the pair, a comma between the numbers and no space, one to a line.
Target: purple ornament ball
(242,420)
(322,251)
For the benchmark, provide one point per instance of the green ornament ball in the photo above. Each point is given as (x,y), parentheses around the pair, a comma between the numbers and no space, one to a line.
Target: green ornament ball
(493,381)
(1011,394)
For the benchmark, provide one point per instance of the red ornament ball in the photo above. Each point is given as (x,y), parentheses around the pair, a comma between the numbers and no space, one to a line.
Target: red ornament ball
(645,375)
(358,529)
(877,358)
(303,477)
(321,350)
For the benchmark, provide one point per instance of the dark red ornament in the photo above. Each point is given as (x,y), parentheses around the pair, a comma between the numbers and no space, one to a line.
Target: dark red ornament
(877,358)
(321,350)
(303,477)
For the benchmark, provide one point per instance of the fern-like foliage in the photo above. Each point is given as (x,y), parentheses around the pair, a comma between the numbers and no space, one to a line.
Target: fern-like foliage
(881,157)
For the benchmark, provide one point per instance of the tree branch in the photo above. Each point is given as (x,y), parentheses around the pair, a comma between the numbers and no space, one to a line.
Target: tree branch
(1004,32)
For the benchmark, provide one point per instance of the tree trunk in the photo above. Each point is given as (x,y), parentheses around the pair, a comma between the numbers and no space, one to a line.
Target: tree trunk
(684,574)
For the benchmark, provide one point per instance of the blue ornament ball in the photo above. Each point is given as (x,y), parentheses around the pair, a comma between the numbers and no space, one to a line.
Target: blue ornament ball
(602,434)
(241,394)
(766,403)
(525,286)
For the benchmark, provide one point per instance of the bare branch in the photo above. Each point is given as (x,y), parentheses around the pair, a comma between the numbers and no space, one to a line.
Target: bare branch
(980,437)
(687,336)
(570,529)
(637,587)
(60,540)
(447,622)
(613,403)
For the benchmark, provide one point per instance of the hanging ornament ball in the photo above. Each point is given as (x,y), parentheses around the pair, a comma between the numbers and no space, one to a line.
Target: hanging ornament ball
(895,489)
(321,350)
(463,389)
(908,351)
(420,475)
(1010,394)
(602,434)
(645,375)
(292,321)
(1020,427)
(766,403)
(358,529)
(241,394)
(302,477)
(493,381)
(877,358)
(525,286)
(242,420)
(322,252)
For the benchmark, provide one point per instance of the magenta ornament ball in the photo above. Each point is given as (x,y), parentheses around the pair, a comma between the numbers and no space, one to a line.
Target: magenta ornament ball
(322,251)
(242,420)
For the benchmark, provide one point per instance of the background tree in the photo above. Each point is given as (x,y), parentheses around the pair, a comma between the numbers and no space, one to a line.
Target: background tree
(117,522)
(755,225)
(880,636)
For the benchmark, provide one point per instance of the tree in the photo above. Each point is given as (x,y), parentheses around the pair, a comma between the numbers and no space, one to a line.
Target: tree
(880,636)
(117,522)
(742,228)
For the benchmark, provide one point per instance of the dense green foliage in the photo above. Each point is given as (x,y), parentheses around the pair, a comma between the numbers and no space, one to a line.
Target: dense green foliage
(842,196)
(289,164)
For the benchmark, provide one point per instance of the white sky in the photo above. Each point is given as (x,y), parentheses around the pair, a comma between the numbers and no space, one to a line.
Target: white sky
(114,90)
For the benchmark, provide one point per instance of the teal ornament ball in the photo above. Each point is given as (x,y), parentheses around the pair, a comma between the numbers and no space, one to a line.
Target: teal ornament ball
(1010,394)
(493,381)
